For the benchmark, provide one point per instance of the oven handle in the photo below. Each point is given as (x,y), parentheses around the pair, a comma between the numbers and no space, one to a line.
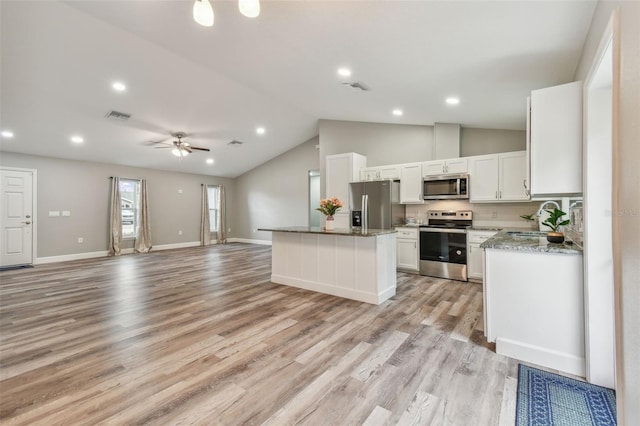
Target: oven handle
(445,230)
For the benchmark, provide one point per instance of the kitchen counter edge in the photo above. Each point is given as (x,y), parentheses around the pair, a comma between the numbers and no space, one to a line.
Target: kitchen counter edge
(338,231)
(503,241)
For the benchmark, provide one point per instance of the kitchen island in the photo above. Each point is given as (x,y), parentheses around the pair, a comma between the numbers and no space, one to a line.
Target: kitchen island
(354,264)
(534,300)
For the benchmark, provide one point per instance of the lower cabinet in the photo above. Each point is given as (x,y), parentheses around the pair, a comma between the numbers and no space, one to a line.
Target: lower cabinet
(474,253)
(407,250)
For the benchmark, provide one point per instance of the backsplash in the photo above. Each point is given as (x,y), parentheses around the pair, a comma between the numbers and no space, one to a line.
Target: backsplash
(485,214)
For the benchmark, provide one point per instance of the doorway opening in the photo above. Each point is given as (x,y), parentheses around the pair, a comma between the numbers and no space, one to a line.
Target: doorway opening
(315,217)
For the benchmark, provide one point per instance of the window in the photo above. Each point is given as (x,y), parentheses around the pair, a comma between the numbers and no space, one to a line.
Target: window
(129,203)
(214,206)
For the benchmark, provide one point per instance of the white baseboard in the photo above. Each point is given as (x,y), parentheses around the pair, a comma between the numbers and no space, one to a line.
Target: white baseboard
(68,257)
(105,253)
(545,357)
(249,241)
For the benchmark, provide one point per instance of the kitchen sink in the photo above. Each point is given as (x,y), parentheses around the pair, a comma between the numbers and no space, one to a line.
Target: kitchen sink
(526,233)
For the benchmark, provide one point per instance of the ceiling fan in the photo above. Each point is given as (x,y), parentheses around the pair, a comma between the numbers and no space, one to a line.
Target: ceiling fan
(180,148)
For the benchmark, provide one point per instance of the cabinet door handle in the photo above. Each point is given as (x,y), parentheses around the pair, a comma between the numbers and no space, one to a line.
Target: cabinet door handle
(501,195)
(415,245)
(526,190)
(496,195)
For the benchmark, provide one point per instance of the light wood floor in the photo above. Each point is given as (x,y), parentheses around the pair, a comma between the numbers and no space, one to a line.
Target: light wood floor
(201,336)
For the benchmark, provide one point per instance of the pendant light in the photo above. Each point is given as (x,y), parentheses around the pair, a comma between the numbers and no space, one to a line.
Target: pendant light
(203,13)
(249,8)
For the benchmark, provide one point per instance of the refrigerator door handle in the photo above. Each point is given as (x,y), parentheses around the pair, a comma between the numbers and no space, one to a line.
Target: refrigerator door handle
(365,212)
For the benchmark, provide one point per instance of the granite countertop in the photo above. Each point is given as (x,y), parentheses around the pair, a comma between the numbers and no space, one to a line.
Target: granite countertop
(536,242)
(338,231)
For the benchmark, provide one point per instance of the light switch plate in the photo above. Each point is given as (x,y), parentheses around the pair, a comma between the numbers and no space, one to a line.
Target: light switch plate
(53,213)
(66,213)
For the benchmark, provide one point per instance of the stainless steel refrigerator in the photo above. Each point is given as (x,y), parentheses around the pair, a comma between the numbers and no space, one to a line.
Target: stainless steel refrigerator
(376,204)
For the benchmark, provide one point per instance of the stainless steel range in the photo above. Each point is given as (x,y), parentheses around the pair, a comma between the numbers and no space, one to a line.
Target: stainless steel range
(443,244)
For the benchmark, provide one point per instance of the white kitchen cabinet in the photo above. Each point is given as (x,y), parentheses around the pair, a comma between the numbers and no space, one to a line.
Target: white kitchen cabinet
(411,183)
(389,172)
(439,167)
(474,253)
(369,173)
(340,170)
(407,250)
(380,173)
(555,138)
(498,177)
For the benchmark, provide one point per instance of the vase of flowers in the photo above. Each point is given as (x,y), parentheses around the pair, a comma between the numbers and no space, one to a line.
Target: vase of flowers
(329,207)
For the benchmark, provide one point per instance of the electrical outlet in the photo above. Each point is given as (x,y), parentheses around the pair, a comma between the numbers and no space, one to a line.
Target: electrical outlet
(179,191)
(494,214)
(179,232)
(228,229)
(80,240)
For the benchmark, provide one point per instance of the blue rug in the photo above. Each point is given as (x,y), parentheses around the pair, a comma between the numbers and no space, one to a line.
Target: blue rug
(552,400)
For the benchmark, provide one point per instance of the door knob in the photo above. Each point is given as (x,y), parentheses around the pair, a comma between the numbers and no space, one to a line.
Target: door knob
(28,216)
(27,222)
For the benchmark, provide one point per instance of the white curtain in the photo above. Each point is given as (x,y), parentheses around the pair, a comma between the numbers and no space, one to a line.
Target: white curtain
(205,224)
(115,219)
(221,237)
(143,235)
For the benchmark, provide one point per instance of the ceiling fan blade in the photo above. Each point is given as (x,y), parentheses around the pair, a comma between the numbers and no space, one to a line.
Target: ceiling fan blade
(199,149)
(162,147)
(186,148)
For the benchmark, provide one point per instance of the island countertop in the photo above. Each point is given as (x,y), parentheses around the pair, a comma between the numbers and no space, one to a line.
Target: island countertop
(535,242)
(338,231)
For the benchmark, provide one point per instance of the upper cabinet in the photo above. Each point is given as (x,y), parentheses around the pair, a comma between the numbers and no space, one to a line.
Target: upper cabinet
(555,141)
(438,167)
(411,183)
(498,177)
(340,170)
(380,173)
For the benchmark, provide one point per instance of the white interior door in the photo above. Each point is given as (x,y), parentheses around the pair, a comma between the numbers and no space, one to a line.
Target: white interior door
(16,216)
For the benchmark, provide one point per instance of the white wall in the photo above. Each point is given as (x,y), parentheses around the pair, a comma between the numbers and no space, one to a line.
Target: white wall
(83,188)
(626,199)
(276,193)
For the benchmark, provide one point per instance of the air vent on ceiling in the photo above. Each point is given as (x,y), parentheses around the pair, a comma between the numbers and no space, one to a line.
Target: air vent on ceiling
(357,85)
(235,142)
(115,115)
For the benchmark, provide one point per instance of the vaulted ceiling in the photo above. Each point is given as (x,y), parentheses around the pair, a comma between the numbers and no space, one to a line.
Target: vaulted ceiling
(278,71)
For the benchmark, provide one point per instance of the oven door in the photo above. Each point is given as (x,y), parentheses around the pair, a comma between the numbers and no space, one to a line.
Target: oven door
(443,253)
(443,245)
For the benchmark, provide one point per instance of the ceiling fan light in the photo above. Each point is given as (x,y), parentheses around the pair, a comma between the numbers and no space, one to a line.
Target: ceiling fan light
(179,152)
(249,8)
(203,13)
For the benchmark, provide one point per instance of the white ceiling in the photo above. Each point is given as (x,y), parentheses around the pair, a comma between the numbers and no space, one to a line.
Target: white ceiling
(278,71)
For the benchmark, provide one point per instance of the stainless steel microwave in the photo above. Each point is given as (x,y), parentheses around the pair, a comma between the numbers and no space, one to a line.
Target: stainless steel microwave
(446,187)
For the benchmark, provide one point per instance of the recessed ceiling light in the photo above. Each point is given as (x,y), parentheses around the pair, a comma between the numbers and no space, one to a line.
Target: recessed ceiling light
(452,101)
(7,134)
(119,87)
(209,160)
(77,139)
(260,130)
(397,112)
(344,72)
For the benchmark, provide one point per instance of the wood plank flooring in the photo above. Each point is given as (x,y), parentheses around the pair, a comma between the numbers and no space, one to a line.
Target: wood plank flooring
(201,336)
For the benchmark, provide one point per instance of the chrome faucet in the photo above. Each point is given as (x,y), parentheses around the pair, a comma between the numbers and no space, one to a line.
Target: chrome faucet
(539,213)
